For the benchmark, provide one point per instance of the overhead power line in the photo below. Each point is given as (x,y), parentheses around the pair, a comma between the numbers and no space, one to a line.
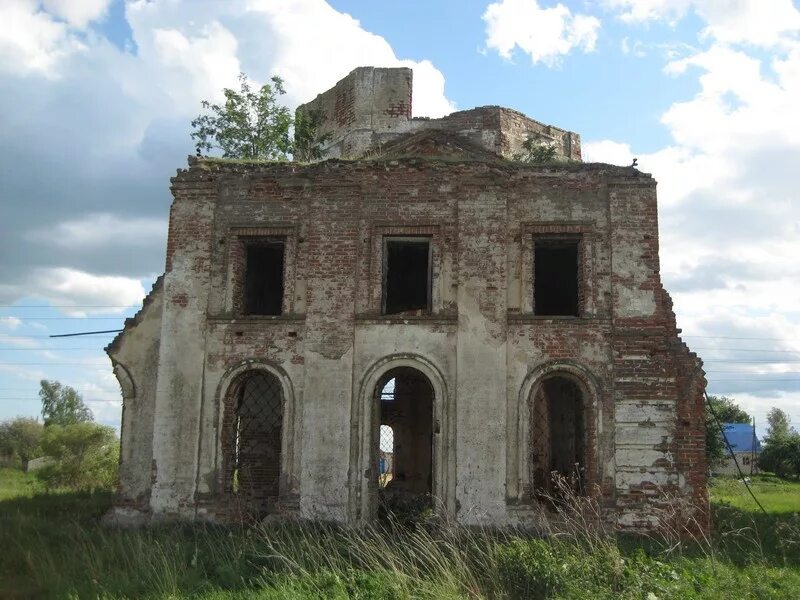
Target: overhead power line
(719,349)
(114,318)
(64,335)
(728,337)
(742,360)
(69,305)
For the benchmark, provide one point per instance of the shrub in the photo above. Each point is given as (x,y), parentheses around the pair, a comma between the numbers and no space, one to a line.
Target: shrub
(20,440)
(85,456)
(530,569)
(781,455)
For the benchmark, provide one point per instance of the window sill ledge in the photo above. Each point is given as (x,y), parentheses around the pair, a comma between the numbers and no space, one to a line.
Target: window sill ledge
(441,319)
(256,319)
(528,317)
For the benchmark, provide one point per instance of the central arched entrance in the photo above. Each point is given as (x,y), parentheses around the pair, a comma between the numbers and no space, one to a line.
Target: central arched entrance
(403,444)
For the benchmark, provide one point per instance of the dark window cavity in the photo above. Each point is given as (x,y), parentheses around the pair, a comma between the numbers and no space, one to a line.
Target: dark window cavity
(556,277)
(406,275)
(558,436)
(263,285)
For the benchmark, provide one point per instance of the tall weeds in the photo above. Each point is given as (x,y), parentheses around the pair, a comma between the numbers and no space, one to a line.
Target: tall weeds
(568,549)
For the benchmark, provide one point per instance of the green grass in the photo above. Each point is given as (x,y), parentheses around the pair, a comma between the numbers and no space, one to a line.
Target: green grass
(18,484)
(53,546)
(776,495)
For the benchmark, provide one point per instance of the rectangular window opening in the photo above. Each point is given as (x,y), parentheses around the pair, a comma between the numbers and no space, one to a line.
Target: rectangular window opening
(263,284)
(406,275)
(556,277)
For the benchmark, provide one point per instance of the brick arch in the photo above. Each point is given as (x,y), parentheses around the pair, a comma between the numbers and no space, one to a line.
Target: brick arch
(125,380)
(365,411)
(229,395)
(521,436)
(128,387)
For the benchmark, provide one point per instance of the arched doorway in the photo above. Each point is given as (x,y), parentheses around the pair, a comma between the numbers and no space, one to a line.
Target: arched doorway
(558,436)
(403,448)
(252,441)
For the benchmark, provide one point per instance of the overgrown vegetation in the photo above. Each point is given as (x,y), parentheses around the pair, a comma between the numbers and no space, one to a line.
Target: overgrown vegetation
(20,441)
(62,405)
(254,125)
(536,150)
(80,456)
(76,452)
(54,547)
(781,453)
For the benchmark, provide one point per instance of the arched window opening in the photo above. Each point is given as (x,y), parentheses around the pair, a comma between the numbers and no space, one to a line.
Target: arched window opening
(558,437)
(255,452)
(385,456)
(387,392)
(404,438)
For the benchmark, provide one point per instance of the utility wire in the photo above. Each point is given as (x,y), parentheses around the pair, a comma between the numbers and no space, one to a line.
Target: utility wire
(728,337)
(733,455)
(720,349)
(70,305)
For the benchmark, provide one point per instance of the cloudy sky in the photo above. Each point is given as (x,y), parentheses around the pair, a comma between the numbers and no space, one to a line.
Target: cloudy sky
(97,96)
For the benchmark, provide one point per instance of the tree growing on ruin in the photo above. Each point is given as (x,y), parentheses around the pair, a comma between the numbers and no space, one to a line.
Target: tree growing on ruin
(62,405)
(253,125)
(536,150)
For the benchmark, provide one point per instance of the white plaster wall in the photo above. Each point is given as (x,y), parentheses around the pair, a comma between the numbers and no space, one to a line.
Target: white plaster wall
(181,363)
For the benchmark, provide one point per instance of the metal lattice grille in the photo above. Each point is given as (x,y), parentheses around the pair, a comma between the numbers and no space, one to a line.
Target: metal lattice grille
(540,446)
(385,455)
(557,436)
(257,437)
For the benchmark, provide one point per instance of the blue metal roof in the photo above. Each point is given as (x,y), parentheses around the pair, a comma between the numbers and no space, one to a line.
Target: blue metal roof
(740,437)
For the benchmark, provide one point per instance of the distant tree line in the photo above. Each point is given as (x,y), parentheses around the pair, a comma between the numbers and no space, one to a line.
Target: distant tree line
(780,453)
(78,453)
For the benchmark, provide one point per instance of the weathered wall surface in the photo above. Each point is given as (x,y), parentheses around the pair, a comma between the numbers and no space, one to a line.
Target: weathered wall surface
(372,106)
(503,131)
(134,355)
(482,348)
(369,105)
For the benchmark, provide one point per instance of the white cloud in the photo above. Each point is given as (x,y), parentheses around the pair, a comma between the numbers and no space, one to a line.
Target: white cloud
(102,396)
(758,22)
(78,13)
(607,151)
(18,340)
(24,373)
(545,34)
(92,132)
(31,41)
(303,30)
(11,323)
(67,287)
(102,229)
(730,215)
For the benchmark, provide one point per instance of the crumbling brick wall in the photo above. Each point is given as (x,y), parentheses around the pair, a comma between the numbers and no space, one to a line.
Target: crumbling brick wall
(482,347)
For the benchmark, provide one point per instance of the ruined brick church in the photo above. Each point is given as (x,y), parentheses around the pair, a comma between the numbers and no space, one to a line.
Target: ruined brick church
(419,315)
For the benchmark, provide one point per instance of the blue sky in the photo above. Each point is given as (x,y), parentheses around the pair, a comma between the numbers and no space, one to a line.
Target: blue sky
(98,96)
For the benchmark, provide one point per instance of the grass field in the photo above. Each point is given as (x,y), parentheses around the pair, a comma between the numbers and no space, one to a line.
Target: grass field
(776,495)
(53,546)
